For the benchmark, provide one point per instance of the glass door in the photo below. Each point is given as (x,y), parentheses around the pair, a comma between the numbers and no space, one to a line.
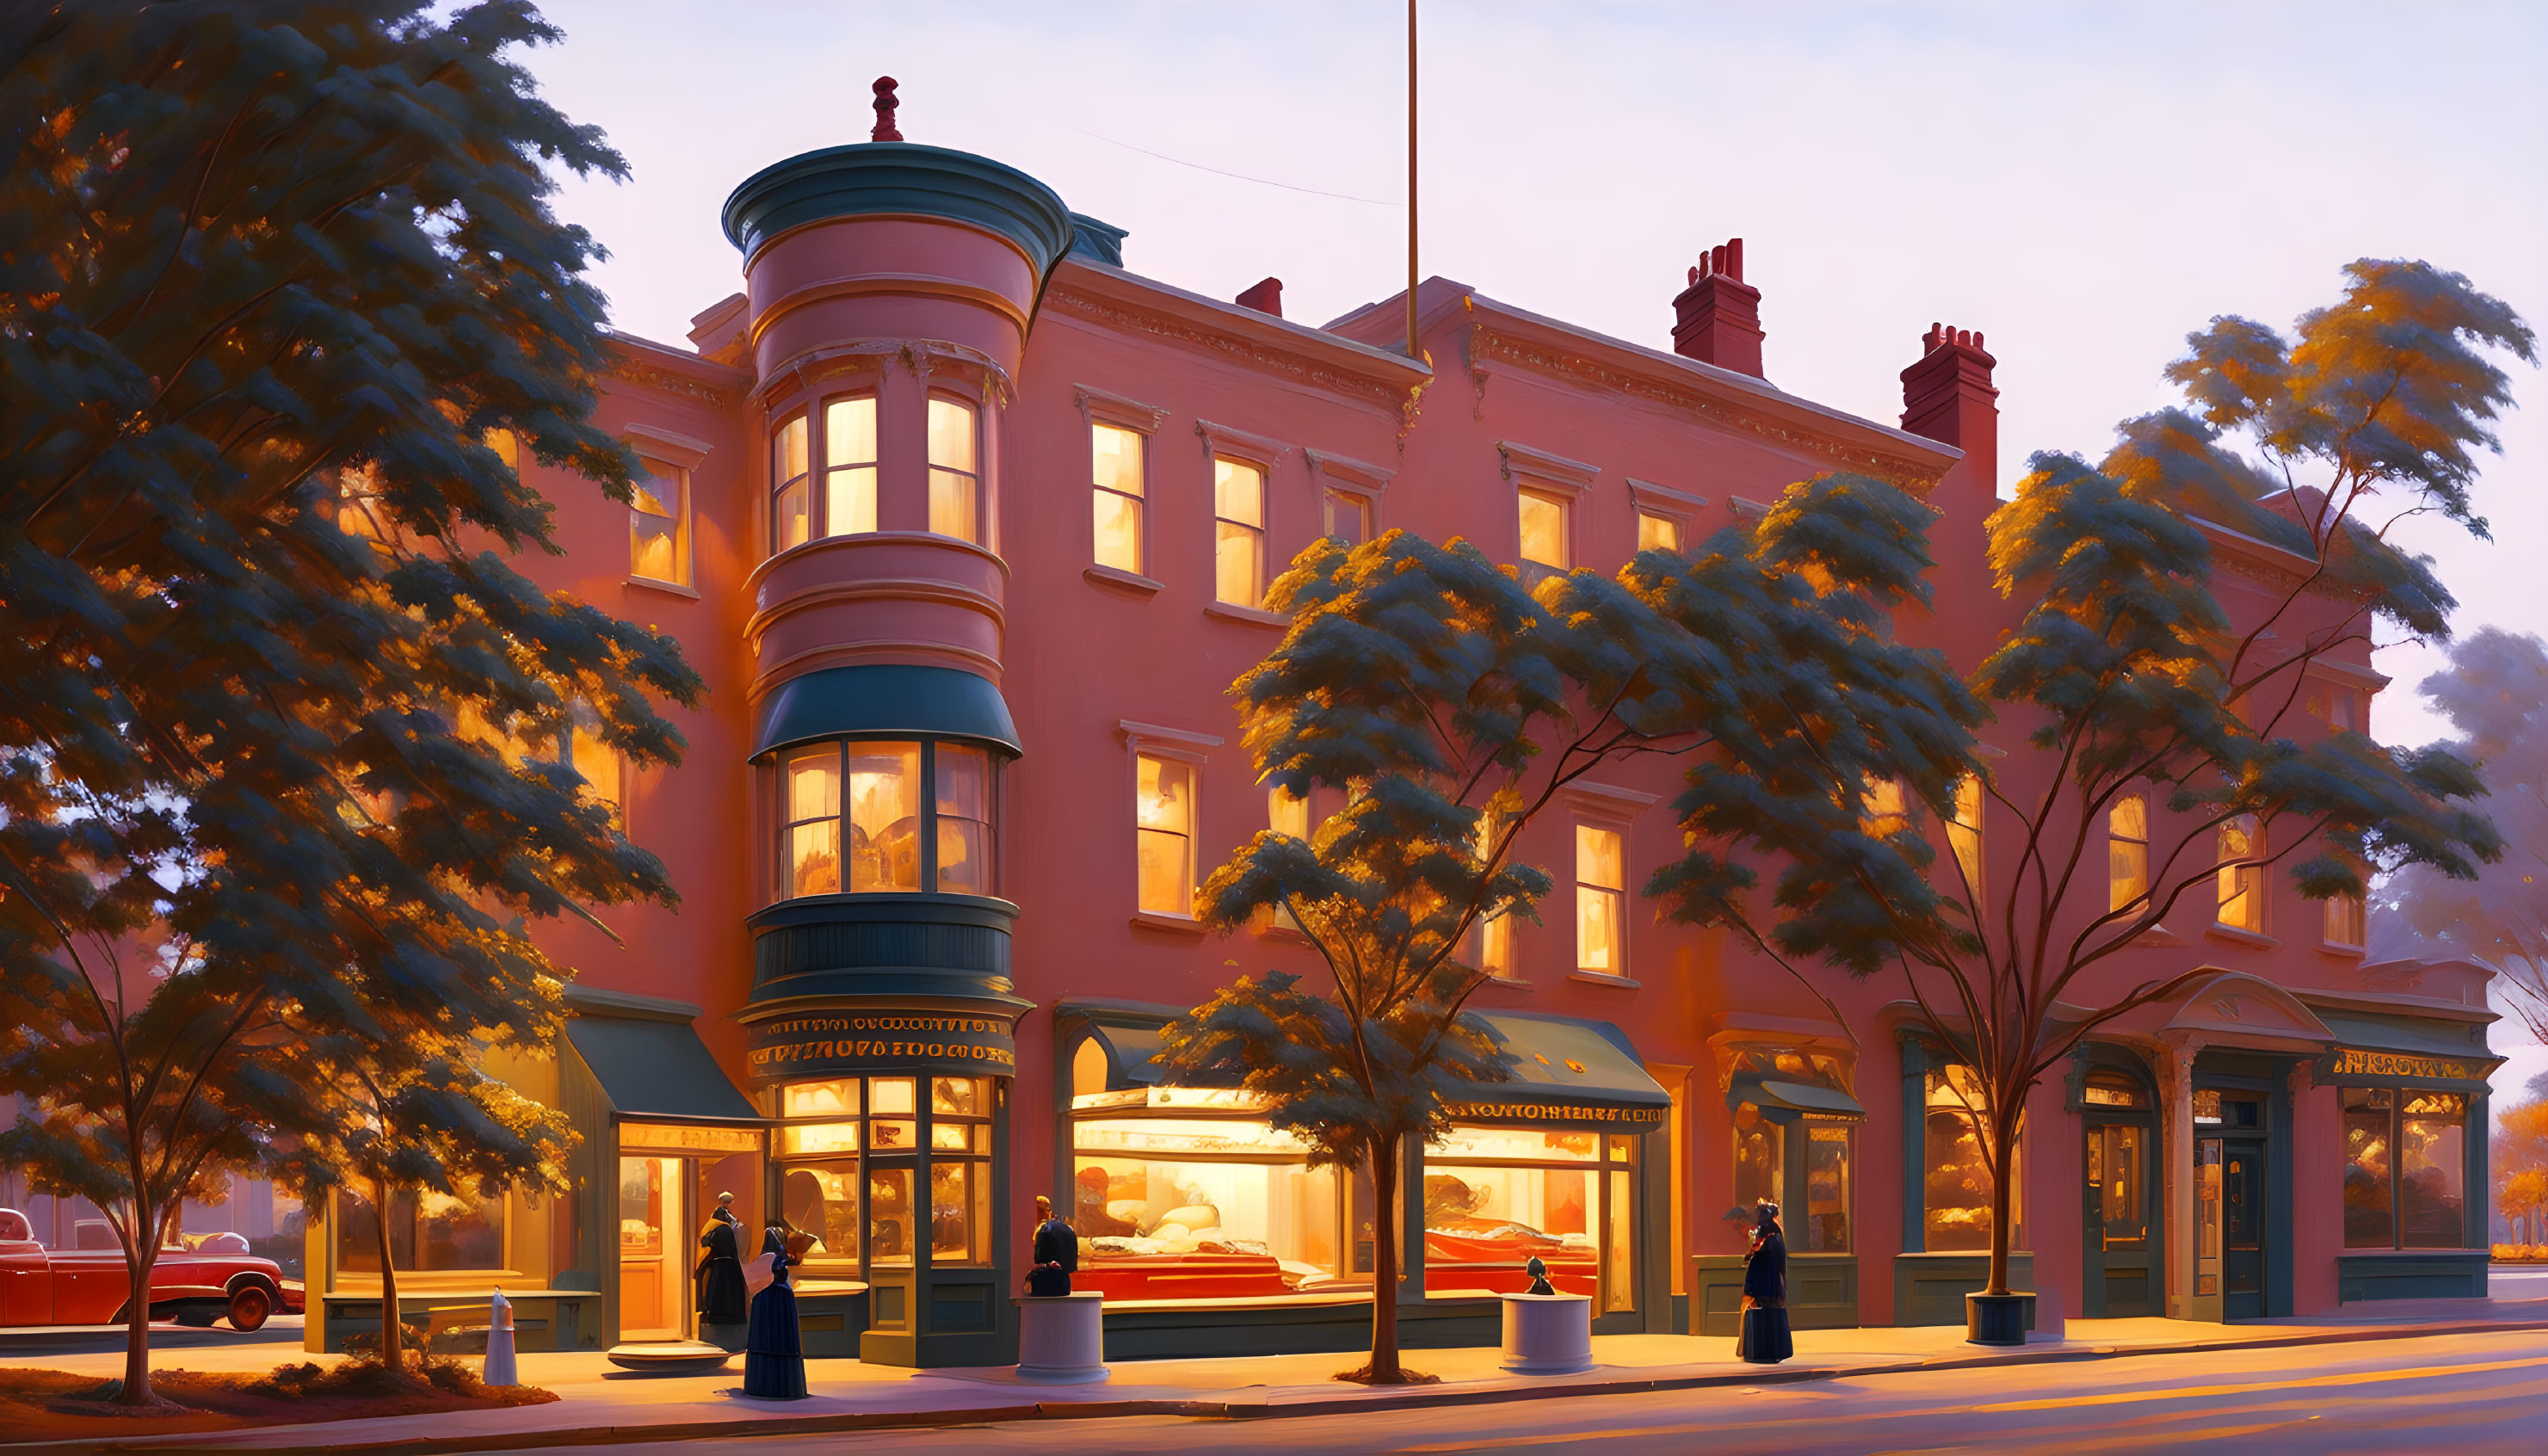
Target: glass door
(2207,1228)
(654,1249)
(2119,1282)
(2242,1228)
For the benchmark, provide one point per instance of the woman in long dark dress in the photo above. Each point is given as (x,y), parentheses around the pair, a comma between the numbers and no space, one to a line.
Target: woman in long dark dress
(1764,1338)
(722,1297)
(773,1354)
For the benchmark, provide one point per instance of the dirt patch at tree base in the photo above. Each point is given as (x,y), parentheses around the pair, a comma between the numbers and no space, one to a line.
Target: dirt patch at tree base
(55,1405)
(1361,1375)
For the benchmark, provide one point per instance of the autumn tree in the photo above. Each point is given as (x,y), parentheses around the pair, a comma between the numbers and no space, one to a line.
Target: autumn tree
(2496,693)
(1450,707)
(2520,1165)
(2129,681)
(283,303)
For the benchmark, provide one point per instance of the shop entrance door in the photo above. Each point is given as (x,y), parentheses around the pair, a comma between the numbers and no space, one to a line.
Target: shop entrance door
(2242,1228)
(2120,1278)
(655,1253)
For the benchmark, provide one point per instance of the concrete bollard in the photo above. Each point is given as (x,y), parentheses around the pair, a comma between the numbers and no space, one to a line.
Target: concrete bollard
(499,1368)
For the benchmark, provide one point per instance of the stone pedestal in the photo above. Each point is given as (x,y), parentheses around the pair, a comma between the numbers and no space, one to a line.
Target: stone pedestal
(1061,1339)
(1547,1334)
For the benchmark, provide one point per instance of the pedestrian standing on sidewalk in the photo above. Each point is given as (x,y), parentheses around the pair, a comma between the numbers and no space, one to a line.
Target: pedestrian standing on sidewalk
(724,1303)
(1764,1338)
(773,1356)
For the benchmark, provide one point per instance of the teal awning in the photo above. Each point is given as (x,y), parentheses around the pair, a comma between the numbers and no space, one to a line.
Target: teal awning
(653,1068)
(1127,1034)
(1566,1073)
(884,697)
(1803,1097)
(2372,1050)
(2421,1035)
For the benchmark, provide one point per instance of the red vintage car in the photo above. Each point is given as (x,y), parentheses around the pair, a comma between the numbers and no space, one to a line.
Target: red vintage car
(89,1285)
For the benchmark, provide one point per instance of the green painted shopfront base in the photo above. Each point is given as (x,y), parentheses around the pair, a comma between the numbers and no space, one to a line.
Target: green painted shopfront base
(2435,1275)
(1822,1292)
(1930,1288)
(1164,1331)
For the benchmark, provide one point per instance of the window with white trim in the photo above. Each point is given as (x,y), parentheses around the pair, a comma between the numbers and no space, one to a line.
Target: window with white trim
(1119,495)
(850,465)
(954,470)
(792,509)
(1164,818)
(1239,531)
(2242,885)
(1547,534)
(2127,851)
(659,523)
(1600,899)
(1658,532)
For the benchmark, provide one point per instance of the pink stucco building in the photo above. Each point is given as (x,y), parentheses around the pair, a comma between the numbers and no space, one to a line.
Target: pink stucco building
(967,524)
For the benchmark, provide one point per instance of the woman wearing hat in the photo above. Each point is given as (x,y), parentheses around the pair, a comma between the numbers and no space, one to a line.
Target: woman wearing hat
(1764,1338)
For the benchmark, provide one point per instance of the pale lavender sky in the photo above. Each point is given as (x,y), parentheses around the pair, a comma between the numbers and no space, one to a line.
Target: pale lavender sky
(2085,184)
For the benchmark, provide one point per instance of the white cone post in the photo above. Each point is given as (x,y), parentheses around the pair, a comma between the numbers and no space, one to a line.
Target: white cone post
(499,1368)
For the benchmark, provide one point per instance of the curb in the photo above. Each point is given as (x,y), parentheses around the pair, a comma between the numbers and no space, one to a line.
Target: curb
(1418,1397)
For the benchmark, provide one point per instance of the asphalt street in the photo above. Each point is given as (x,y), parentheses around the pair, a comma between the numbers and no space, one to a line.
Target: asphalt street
(2466,1395)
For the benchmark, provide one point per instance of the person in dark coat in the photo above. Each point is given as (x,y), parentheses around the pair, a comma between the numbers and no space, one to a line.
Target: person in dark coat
(1056,1253)
(1764,1338)
(774,1353)
(722,1297)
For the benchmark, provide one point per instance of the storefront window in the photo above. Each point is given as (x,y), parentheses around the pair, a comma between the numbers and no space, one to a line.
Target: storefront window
(2370,1189)
(1828,1149)
(822,1199)
(1957,1213)
(2433,1161)
(850,818)
(1187,1207)
(827,1188)
(1760,1159)
(1494,1198)
(429,1233)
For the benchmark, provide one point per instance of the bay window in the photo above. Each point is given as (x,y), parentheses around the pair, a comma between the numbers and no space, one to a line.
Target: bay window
(852,1169)
(851,819)
(792,519)
(850,466)
(954,474)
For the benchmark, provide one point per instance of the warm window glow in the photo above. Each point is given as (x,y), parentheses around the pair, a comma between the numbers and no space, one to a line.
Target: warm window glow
(1600,884)
(791,508)
(2344,920)
(850,466)
(1497,1196)
(1489,946)
(1158,1201)
(1239,549)
(1116,461)
(1543,531)
(1957,1182)
(885,834)
(2127,851)
(1287,812)
(596,762)
(964,820)
(1828,1187)
(1349,516)
(812,843)
(1965,832)
(2370,1185)
(659,523)
(1657,532)
(506,445)
(2241,886)
(1163,809)
(1884,813)
(955,479)
(360,512)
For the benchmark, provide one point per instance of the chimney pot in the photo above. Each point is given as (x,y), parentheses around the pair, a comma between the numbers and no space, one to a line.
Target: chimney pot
(884,109)
(1265,298)
(1718,316)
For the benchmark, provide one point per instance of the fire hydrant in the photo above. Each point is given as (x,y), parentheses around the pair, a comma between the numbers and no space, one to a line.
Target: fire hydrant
(499,1345)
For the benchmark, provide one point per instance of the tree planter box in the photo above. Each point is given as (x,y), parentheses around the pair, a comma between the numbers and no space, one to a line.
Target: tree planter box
(1547,1334)
(1998,1319)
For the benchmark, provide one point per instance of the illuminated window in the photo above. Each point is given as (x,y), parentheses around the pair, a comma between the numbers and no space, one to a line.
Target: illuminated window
(1884,813)
(596,761)
(1965,832)
(1601,890)
(1349,516)
(963,795)
(2127,851)
(1545,547)
(659,523)
(2343,921)
(1496,1197)
(1238,525)
(2242,885)
(1172,1203)
(429,1233)
(1116,461)
(791,520)
(1657,532)
(1163,808)
(954,476)
(860,1209)
(850,466)
(1490,943)
(811,832)
(880,782)
(1957,1182)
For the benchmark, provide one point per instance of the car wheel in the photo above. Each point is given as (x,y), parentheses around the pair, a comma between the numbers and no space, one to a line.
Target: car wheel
(249,1308)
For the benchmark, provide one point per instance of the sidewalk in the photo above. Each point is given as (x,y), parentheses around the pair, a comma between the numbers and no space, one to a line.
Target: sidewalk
(599,1403)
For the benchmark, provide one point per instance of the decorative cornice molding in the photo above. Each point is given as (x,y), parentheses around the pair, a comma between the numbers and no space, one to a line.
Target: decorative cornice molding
(1485,347)
(1354,475)
(1222,439)
(1544,467)
(1293,364)
(1096,404)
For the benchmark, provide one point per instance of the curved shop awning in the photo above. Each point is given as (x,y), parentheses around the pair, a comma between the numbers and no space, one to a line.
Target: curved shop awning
(884,697)
(1819,1103)
(650,1063)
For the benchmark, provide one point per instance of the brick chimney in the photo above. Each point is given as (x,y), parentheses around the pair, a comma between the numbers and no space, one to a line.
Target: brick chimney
(1718,316)
(1949,396)
(1265,298)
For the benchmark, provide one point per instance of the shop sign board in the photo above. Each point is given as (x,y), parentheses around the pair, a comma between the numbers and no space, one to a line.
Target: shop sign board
(811,1046)
(675,1137)
(2356,1062)
(1569,1113)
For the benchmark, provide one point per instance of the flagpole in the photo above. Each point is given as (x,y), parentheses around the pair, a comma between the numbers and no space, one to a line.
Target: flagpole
(1410,179)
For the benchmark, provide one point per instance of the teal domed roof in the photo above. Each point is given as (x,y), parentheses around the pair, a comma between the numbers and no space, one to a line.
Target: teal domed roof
(906,177)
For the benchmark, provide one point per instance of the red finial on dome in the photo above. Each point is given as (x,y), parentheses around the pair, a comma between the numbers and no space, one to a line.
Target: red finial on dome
(884,108)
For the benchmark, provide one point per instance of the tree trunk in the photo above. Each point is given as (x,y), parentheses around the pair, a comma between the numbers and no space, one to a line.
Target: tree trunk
(1385,1369)
(2003,1136)
(139,1263)
(392,1352)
